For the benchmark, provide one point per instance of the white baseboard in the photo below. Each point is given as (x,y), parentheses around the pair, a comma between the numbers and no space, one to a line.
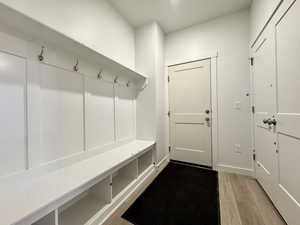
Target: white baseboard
(233,169)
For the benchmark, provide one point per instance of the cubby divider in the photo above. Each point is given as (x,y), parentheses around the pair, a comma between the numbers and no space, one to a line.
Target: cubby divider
(84,207)
(123,177)
(145,161)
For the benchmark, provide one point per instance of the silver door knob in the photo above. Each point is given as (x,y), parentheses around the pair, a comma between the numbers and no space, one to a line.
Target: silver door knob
(265,121)
(272,122)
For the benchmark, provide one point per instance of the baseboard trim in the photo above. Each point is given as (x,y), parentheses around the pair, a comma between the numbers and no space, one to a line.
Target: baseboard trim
(233,169)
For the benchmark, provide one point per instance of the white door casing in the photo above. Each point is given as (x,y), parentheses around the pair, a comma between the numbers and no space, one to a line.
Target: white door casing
(190,124)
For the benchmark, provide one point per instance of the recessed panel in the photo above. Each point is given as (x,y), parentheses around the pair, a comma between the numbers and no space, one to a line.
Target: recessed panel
(125,112)
(263,78)
(288,54)
(187,84)
(289,155)
(265,149)
(12,114)
(99,113)
(61,113)
(191,136)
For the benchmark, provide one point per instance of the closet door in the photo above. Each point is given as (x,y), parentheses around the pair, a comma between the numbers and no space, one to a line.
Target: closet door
(288,112)
(264,72)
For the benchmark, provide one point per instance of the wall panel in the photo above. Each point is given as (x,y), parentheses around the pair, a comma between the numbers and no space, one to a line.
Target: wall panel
(61,113)
(125,112)
(13,149)
(99,113)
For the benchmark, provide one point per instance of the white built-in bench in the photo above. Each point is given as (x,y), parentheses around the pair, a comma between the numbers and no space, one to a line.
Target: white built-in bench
(83,193)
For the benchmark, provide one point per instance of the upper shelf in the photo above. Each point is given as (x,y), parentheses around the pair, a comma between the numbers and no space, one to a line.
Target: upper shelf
(19,202)
(32,30)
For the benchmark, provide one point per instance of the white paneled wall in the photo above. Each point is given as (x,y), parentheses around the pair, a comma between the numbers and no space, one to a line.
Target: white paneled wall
(50,113)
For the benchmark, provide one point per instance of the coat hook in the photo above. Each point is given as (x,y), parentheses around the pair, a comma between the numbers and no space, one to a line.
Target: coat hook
(75,68)
(128,84)
(116,80)
(100,75)
(41,55)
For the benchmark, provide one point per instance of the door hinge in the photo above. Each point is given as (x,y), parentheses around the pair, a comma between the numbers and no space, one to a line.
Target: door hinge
(251,61)
(169,148)
(253,109)
(254,157)
(168,78)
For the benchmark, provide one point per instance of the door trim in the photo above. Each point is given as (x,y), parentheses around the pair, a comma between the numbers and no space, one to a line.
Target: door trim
(213,56)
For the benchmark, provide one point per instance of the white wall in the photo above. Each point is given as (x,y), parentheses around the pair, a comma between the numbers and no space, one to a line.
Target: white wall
(94,23)
(162,126)
(150,104)
(229,36)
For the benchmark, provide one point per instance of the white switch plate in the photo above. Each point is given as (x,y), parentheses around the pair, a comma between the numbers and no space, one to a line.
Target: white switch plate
(237,105)
(237,148)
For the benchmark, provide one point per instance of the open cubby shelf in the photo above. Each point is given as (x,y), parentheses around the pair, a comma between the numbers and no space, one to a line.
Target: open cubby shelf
(84,207)
(123,177)
(145,161)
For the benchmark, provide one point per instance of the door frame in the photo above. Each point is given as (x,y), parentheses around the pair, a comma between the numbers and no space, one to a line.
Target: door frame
(213,56)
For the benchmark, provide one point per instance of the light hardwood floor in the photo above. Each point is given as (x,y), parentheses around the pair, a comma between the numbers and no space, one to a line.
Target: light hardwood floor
(242,202)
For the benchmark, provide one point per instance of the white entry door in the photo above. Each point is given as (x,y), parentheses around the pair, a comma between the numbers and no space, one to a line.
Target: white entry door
(190,112)
(264,73)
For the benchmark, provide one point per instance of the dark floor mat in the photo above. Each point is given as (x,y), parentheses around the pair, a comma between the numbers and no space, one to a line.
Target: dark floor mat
(180,195)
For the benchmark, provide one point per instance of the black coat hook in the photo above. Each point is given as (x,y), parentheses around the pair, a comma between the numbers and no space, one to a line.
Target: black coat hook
(41,55)
(100,76)
(75,68)
(116,80)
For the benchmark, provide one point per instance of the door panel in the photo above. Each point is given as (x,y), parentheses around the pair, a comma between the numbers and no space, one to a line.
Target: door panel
(288,112)
(189,100)
(264,72)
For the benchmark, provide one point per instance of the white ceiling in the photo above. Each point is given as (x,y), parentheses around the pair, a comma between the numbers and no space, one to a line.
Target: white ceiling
(174,15)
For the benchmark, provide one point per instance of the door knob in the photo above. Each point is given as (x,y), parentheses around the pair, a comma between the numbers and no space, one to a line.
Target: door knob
(207,119)
(207,111)
(272,122)
(265,121)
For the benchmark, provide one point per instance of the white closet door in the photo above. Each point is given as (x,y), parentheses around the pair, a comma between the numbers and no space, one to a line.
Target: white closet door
(264,72)
(61,113)
(288,113)
(99,113)
(125,112)
(12,114)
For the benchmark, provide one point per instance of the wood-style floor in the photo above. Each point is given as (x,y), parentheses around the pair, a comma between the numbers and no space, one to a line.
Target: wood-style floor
(242,202)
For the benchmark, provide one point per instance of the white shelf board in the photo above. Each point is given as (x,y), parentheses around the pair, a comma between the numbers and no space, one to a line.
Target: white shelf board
(32,30)
(19,202)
